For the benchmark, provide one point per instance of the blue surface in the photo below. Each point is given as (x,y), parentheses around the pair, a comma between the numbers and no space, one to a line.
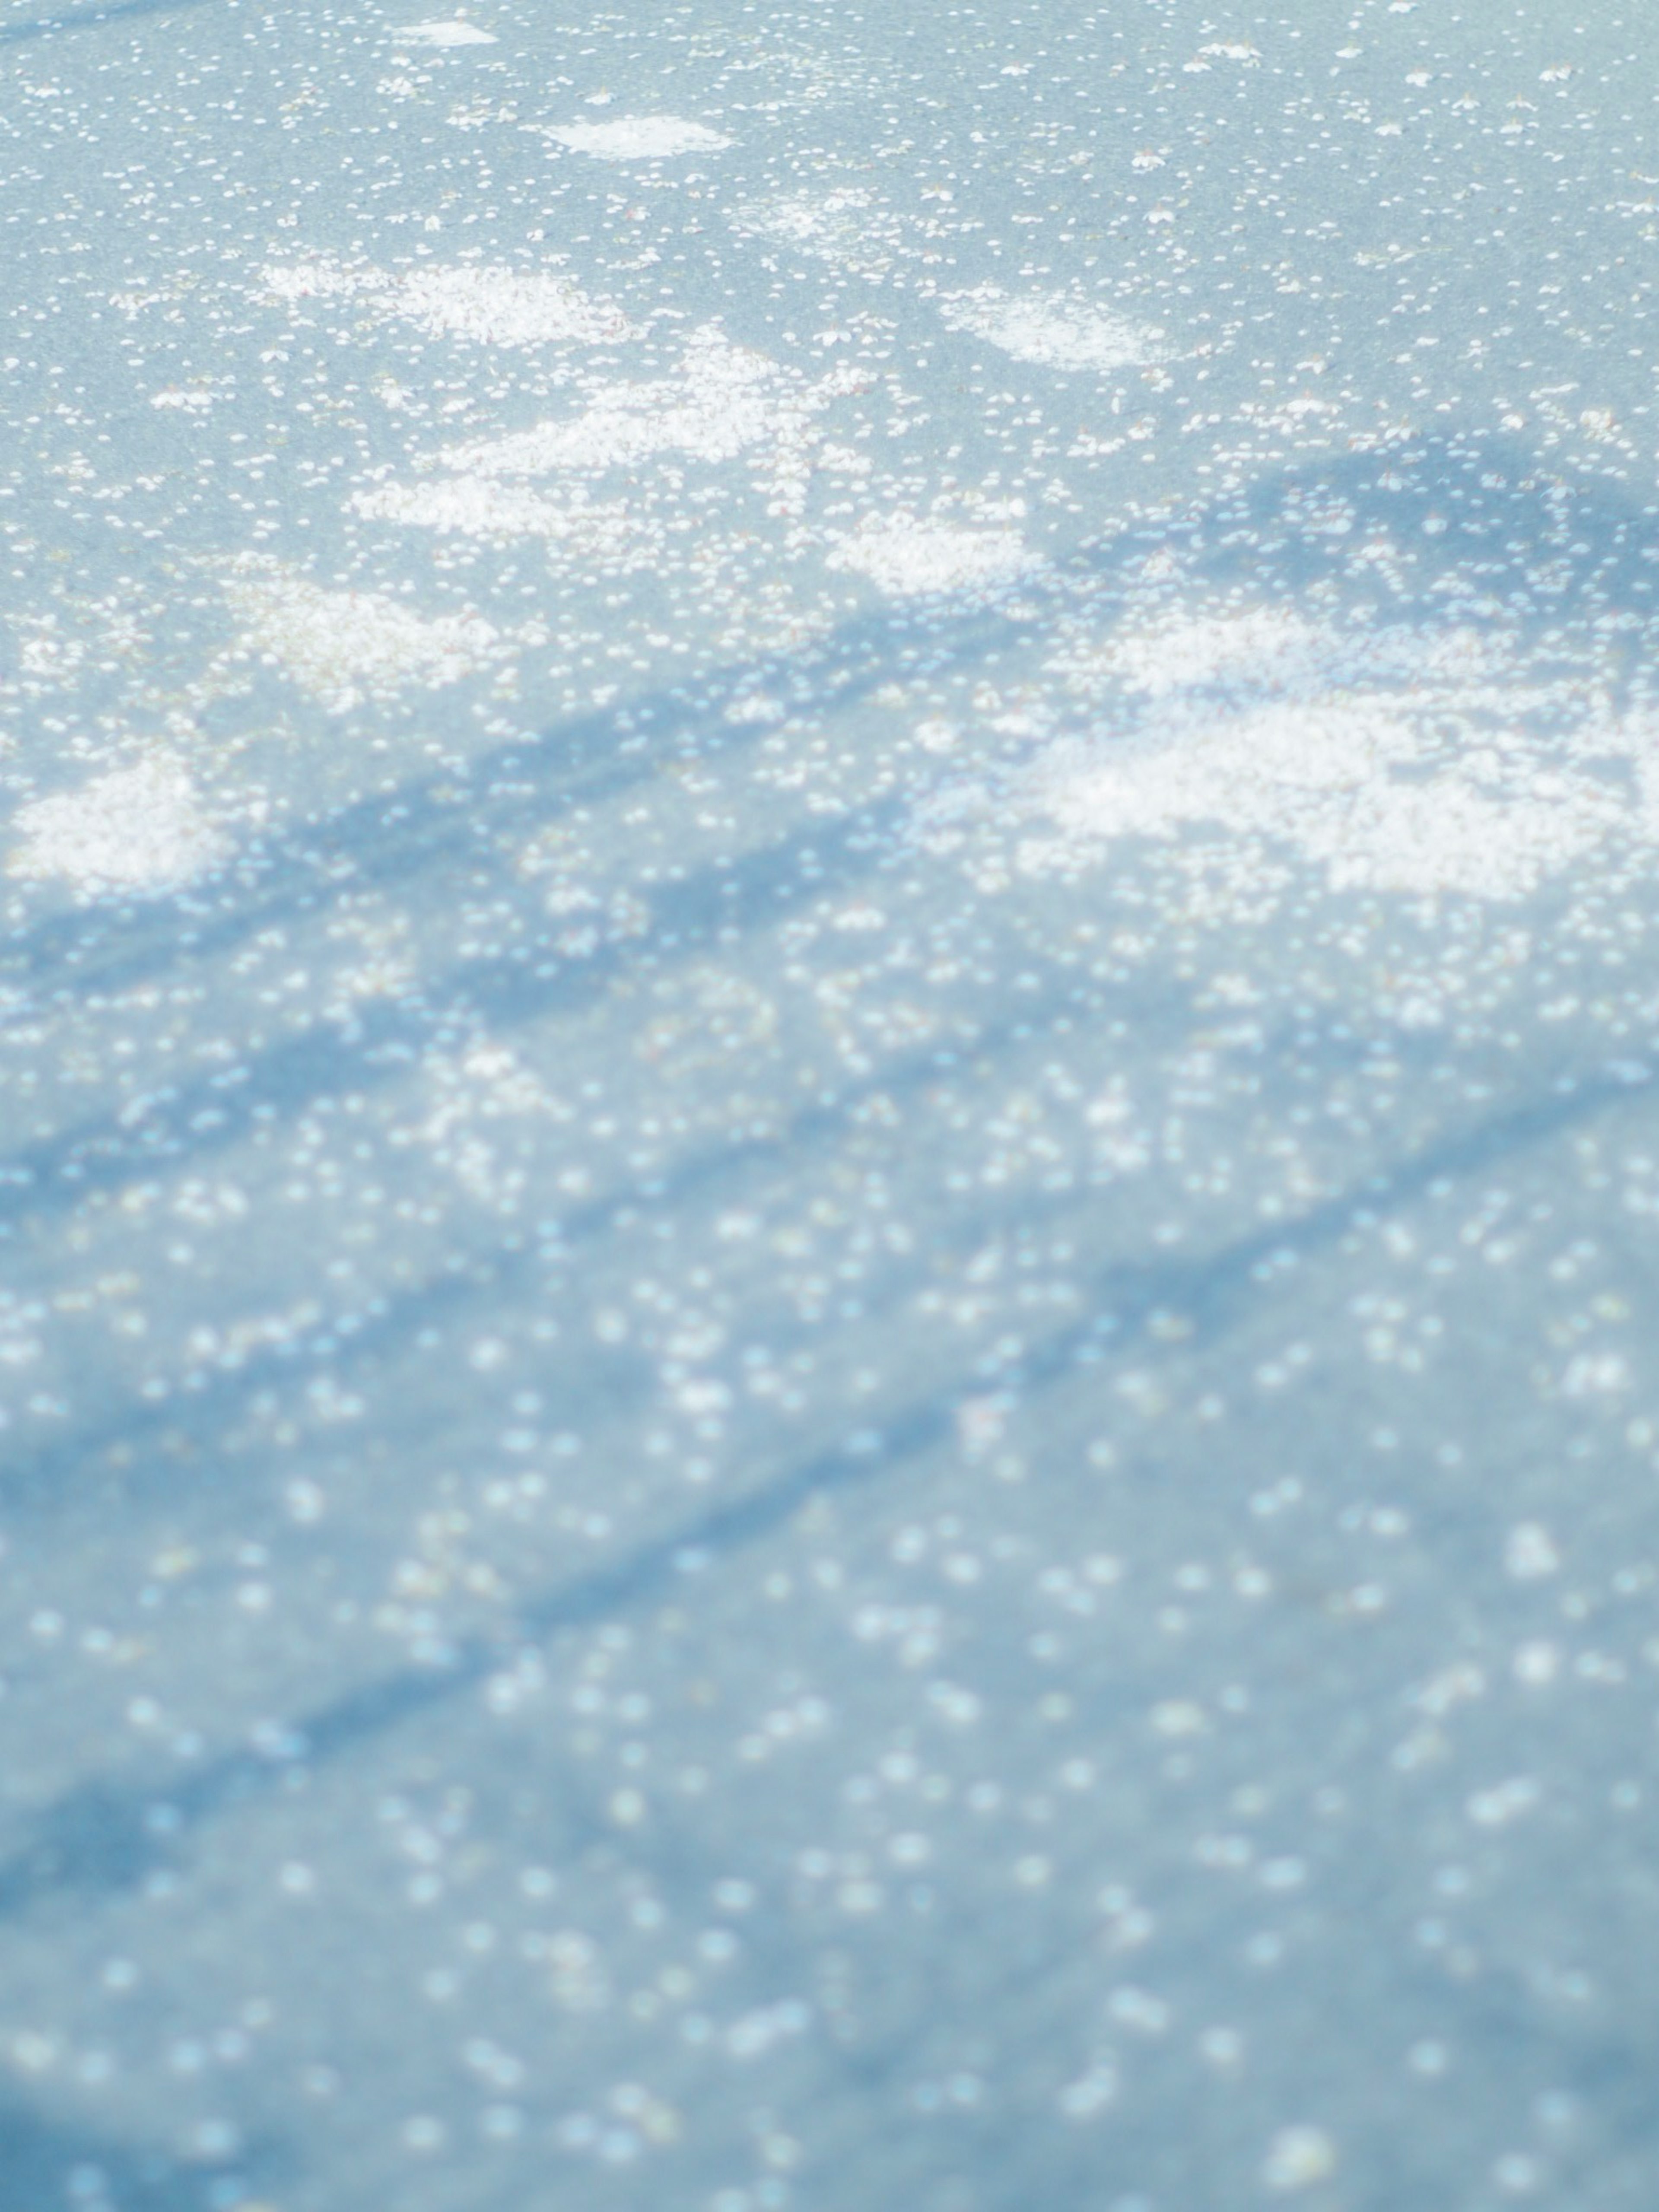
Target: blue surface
(827,1145)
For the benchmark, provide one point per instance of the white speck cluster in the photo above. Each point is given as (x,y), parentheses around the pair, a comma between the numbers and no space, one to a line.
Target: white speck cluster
(639,138)
(138,828)
(345,647)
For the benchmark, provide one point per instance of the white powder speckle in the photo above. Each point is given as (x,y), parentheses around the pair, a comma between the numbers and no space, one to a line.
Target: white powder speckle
(1297,2158)
(457,33)
(1053,329)
(344,646)
(136,829)
(725,399)
(906,558)
(488,305)
(476,507)
(1505,1801)
(506,307)
(1393,761)
(1530,1553)
(639,138)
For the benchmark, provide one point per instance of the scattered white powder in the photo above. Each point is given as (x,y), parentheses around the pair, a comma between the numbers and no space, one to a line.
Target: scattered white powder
(506,307)
(1052,330)
(478,1112)
(134,830)
(1392,760)
(476,507)
(43,654)
(344,646)
(491,305)
(639,138)
(1275,651)
(321,277)
(725,399)
(906,558)
(845,226)
(455,34)
(194,401)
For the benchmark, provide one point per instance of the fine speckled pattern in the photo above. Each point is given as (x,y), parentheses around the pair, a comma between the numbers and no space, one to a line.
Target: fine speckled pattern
(828,1032)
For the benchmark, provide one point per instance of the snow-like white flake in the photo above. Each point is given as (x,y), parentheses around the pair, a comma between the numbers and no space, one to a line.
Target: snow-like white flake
(346,647)
(455,32)
(725,398)
(639,138)
(487,305)
(138,828)
(1052,330)
(1391,761)
(907,558)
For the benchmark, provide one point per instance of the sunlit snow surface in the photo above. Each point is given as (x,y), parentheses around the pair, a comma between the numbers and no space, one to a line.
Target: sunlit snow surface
(828,1045)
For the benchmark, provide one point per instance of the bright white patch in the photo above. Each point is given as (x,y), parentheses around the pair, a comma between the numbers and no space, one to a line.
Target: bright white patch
(1297,2158)
(1275,650)
(344,646)
(455,34)
(845,226)
(1530,1553)
(1393,762)
(43,654)
(907,559)
(490,305)
(639,138)
(135,829)
(506,307)
(724,401)
(474,506)
(1052,330)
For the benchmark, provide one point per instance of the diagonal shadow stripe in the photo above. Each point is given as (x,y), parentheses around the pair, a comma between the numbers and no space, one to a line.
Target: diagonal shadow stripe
(396,837)
(103,1838)
(529,983)
(90,19)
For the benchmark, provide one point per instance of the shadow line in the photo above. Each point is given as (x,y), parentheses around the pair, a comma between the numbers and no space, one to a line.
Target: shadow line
(104,1838)
(87,19)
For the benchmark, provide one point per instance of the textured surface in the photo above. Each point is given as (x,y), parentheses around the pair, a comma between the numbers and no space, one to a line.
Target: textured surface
(828,1171)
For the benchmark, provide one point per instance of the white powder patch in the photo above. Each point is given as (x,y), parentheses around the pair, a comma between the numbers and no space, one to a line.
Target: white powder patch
(725,399)
(455,33)
(491,305)
(845,226)
(135,829)
(482,1120)
(474,506)
(1393,761)
(44,654)
(1053,329)
(1275,650)
(507,307)
(321,277)
(639,138)
(907,559)
(346,647)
